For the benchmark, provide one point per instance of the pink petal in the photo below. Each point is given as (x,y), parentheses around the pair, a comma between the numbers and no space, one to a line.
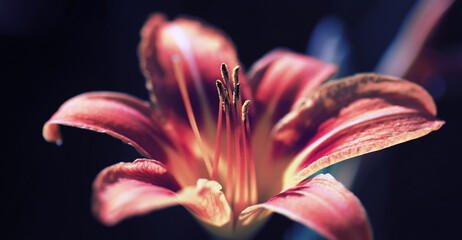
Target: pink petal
(354,116)
(201,48)
(127,189)
(321,203)
(119,115)
(282,77)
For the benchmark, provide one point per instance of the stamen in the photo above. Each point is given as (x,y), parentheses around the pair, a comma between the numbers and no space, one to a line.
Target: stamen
(245,110)
(225,75)
(240,196)
(219,123)
(189,111)
(245,189)
(248,144)
(227,95)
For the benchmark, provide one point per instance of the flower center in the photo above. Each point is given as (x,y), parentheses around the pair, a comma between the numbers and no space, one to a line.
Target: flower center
(241,183)
(241,187)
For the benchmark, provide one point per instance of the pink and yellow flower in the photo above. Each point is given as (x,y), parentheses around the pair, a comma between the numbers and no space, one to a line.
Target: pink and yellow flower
(233,162)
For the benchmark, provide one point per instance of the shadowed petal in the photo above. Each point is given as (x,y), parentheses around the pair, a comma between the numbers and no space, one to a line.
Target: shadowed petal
(356,115)
(127,189)
(201,49)
(117,114)
(282,77)
(321,203)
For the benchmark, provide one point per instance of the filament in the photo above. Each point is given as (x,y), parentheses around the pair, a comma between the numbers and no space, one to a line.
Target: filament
(229,177)
(248,145)
(217,144)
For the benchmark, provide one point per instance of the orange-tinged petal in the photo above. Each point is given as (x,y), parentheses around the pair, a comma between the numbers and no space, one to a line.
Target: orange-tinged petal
(201,49)
(321,203)
(208,203)
(128,189)
(117,114)
(356,115)
(282,77)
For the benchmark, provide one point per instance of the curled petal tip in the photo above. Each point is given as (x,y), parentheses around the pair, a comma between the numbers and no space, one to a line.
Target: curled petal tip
(119,115)
(52,134)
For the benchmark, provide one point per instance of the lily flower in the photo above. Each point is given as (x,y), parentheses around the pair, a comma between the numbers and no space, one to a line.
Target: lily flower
(235,148)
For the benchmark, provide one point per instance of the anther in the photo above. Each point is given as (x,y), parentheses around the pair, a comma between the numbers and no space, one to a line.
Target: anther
(236,76)
(245,110)
(223,94)
(236,93)
(225,74)
(220,90)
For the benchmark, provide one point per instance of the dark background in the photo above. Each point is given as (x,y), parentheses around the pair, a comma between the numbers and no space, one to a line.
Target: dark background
(51,50)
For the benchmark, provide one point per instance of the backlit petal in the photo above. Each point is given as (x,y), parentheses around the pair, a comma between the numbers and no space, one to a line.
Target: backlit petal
(208,203)
(117,114)
(322,204)
(129,189)
(282,77)
(354,116)
(201,49)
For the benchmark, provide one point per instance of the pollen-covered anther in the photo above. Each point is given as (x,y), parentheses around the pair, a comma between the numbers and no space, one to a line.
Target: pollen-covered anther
(236,93)
(245,110)
(222,94)
(225,74)
(236,75)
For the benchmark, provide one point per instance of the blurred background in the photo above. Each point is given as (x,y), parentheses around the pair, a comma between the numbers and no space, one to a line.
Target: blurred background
(51,50)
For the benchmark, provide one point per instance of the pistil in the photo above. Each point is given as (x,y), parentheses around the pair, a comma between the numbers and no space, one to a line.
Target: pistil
(189,111)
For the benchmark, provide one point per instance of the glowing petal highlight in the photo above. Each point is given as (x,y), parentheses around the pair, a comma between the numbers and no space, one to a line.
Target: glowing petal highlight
(201,49)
